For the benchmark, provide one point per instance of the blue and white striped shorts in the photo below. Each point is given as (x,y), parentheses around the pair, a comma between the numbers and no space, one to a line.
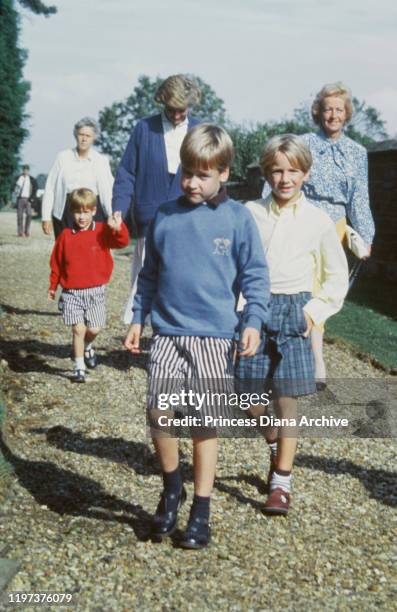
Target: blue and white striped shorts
(202,365)
(84,306)
(284,361)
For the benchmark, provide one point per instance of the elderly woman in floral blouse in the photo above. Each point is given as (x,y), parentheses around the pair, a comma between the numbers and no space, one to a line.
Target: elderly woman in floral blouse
(338,181)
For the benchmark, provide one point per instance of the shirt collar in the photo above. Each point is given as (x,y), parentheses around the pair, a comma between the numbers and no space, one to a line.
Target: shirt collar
(89,156)
(293,206)
(170,126)
(328,142)
(214,202)
(76,230)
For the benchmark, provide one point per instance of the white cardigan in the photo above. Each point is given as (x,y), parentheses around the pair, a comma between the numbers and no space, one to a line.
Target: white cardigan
(55,193)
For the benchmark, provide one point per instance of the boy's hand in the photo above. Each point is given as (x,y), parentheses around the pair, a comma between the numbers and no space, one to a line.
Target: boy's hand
(115,220)
(310,323)
(131,341)
(250,340)
(51,294)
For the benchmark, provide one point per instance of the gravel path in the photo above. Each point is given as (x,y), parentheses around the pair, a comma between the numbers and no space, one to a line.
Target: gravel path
(76,514)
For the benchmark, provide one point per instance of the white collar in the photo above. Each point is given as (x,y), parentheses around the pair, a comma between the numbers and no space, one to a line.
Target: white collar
(170,126)
(89,156)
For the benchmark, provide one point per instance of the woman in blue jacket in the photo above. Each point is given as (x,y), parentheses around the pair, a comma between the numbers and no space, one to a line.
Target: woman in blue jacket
(149,172)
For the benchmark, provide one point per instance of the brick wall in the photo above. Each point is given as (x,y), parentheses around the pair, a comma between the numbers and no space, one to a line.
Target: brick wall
(382,161)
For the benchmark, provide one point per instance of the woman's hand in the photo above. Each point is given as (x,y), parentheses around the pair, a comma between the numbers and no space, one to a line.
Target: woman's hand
(47,227)
(51,295)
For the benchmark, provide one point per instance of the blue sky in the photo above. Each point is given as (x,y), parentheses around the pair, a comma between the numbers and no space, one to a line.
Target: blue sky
(263,57)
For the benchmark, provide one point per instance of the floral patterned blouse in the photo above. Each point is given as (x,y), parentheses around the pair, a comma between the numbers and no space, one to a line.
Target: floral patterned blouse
(338,181)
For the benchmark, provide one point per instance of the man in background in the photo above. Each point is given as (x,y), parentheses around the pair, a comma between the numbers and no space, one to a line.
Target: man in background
(25,194)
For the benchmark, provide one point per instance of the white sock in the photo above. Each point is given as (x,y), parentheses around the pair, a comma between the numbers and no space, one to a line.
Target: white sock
(88,346)
(273,448)
(79,363)
(282,482)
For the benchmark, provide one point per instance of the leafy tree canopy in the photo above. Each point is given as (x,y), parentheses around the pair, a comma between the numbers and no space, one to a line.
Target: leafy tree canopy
(117,121)
(38,7)
(14,90)
(120,118)
(365,126)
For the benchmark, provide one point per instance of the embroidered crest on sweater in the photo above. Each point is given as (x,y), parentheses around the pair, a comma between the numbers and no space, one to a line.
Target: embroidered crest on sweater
(222,246)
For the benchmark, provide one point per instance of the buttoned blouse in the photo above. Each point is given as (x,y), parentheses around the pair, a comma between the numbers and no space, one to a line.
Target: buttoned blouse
(173,138)
(338,181)
(71,172)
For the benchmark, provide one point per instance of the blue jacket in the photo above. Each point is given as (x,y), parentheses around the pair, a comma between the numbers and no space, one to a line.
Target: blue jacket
(142,176)
(198,259)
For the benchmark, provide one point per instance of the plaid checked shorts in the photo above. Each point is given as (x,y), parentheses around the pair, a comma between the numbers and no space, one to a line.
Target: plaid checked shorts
(284,361)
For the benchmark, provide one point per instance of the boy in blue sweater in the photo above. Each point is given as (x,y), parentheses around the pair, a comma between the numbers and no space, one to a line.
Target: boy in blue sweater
(202,250)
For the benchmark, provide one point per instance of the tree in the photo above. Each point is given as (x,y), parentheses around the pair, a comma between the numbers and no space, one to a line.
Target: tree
(365,126)
(38,7)
(250,141)
(117,121)
(14,91)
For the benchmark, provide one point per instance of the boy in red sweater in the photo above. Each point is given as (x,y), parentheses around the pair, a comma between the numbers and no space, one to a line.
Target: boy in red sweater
(82,264)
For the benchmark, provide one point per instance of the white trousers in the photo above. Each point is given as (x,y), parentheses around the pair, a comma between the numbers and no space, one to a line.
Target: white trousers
(138,257)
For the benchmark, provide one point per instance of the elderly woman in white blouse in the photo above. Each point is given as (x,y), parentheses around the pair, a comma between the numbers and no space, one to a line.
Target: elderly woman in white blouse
(74,168)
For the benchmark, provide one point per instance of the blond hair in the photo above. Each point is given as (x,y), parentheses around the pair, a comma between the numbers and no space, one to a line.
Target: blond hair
(207,146)
(338,89)
(294,149)
(178,91)
(82,198)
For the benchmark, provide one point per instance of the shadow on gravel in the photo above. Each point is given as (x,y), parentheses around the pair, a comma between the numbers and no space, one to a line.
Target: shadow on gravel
(30,355)
(67,493)
(381,484)
(139,457)
(22,311)
(121,359)
(136,455)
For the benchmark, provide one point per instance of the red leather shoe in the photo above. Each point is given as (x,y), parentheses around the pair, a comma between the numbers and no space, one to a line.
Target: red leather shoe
(277,502)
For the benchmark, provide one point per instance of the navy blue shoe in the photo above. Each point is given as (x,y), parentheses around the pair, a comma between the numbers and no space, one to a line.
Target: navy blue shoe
(90,359)
(78,376)
(165,520)
(197,534)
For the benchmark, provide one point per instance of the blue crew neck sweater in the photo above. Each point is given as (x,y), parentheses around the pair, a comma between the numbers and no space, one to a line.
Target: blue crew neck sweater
(198,260)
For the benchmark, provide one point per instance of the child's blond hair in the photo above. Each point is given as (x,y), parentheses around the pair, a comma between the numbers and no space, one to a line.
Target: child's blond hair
(294,149)
(205,147)
(82,198)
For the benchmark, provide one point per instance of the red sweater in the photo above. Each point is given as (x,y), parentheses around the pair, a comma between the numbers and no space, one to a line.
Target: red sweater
(82,259)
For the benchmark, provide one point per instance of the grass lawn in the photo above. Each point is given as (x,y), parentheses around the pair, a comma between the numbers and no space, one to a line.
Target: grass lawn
(368,320)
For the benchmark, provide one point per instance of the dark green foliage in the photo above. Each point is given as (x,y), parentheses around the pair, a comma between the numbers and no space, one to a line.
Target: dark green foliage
(250,141)
(38,7)
(120,118)
(365,127)
(14,93)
